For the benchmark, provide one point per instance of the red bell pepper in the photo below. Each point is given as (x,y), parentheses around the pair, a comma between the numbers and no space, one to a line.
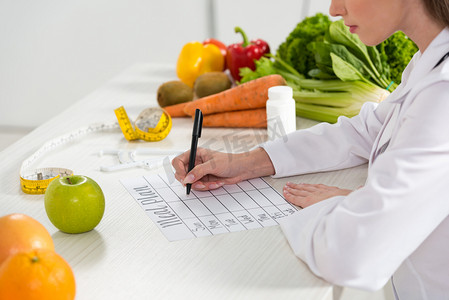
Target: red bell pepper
(244,54)
(220,45)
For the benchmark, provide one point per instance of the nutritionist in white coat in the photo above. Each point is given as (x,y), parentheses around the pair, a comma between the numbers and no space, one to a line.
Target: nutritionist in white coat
(395,226)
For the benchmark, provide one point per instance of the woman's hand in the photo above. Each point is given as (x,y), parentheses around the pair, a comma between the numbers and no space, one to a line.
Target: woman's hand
(304,194)
(214,169)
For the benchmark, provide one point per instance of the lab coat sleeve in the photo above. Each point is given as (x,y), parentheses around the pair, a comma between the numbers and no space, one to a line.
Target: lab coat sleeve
(326,147)
(361,239)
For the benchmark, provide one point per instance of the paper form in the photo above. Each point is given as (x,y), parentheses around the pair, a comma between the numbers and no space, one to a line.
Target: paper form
(246,205)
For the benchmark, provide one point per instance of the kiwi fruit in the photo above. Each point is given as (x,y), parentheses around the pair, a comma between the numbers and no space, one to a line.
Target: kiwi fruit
(211,83)
(174,92)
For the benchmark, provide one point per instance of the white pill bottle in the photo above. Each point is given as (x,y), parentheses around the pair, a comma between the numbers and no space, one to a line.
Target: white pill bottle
(281,112)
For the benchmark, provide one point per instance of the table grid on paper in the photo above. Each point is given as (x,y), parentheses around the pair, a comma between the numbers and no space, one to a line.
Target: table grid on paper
(246,205)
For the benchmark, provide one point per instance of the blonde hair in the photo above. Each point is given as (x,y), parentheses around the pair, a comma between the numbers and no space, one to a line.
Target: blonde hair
(438,9)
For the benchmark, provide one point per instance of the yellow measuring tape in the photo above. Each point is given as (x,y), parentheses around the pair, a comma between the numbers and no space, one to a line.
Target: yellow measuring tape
(153,124)
(37,182)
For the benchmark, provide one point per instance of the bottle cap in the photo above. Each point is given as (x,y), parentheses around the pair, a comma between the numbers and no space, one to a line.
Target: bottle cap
(280,92)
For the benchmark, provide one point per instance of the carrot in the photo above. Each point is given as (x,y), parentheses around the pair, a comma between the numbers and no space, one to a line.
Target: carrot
(256,118)
(176,110)
(248,95)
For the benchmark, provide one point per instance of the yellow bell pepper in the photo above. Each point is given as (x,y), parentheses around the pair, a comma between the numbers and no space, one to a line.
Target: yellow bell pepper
(196,59)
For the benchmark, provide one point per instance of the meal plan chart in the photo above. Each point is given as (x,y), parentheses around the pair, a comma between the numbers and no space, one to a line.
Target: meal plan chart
(247,205)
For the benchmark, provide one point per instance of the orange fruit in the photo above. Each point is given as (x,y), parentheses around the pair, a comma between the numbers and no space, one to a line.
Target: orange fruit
(36,274)
(20,233)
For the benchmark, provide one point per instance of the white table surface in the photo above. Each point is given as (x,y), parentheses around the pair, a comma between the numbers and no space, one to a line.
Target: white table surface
(126,256)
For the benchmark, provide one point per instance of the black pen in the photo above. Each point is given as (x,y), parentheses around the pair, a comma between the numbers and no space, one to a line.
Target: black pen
(196,133)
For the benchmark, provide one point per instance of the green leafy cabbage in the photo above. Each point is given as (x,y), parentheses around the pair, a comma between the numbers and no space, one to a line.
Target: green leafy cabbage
(294,49)
(331,71)
(395,53)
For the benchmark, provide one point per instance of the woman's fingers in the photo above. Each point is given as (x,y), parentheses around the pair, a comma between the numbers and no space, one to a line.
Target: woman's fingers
(304,194)
(180,163)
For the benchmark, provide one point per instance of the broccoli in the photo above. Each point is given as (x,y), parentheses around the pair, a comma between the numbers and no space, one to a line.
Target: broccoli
(396,52)
(294,49)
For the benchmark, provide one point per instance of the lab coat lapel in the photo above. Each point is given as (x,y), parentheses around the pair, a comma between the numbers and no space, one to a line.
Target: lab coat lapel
(394,101)
(420,66)
(383,139)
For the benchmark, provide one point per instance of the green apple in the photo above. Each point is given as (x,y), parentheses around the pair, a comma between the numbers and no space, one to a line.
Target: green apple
(74,204)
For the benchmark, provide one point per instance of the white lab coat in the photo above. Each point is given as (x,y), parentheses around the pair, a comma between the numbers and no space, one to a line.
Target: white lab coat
(397,224)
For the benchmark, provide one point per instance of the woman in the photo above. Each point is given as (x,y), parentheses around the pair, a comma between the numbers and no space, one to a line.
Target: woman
(397,224)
